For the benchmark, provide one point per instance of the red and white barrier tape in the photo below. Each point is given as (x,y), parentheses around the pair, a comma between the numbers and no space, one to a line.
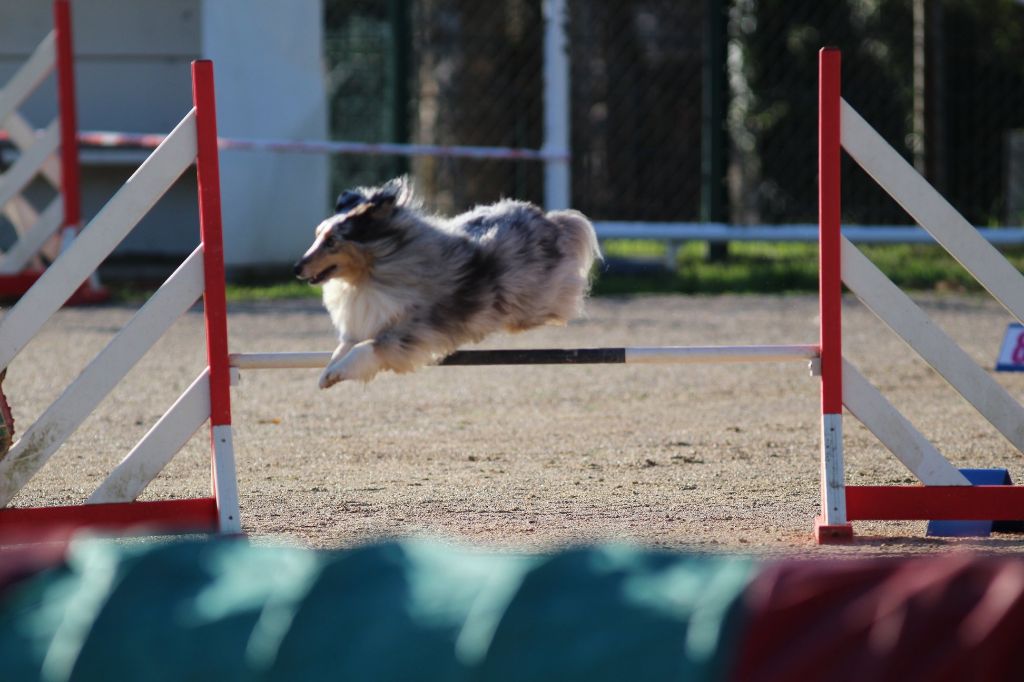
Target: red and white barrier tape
(114,139)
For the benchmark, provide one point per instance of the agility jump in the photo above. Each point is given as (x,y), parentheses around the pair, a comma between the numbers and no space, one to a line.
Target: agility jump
(53,155)
(947,493)
(111,506)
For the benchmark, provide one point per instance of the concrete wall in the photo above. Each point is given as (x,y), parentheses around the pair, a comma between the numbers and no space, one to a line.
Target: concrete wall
(270,83)
(132,74)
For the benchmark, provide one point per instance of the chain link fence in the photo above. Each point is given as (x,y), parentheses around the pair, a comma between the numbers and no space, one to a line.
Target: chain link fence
(941,80)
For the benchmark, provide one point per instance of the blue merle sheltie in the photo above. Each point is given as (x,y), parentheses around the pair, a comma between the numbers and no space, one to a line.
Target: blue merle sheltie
(405,289)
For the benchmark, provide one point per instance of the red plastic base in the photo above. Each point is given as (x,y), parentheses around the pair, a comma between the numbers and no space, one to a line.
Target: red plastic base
(89,295)
(14,287)
(935,503)
(829,534)
(51,524)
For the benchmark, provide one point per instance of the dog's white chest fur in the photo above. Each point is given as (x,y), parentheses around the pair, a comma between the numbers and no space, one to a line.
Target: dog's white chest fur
(359,313)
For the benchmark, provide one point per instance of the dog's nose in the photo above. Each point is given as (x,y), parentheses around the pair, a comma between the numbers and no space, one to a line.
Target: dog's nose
(297,270)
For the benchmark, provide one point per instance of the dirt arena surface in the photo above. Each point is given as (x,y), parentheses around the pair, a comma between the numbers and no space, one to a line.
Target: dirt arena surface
(703,458)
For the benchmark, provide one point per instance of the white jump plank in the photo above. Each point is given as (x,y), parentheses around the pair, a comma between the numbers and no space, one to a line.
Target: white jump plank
(48,433)
(29,76)
(932,211)
(225,480)
(31,242)
(151,454)
(153,178)
(897,434)
(28,164)
(927,339)
(24,136)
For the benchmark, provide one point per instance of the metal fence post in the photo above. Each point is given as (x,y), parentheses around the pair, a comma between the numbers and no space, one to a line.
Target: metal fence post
(557,192)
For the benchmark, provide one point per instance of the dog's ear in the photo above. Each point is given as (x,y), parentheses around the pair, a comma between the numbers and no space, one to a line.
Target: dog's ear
(347,200)
(393,193)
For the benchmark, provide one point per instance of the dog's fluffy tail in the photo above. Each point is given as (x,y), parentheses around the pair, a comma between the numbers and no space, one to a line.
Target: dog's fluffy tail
(577,239)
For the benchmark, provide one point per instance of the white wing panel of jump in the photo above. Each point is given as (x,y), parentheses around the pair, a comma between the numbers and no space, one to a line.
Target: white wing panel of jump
(29,76)
(893,430)
(158,447)
(910,323)
(932,212)
(32,241)
(124,210)
(27,166)
(181,290)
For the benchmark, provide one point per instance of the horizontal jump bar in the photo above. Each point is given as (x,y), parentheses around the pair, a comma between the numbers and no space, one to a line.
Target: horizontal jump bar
(562,356)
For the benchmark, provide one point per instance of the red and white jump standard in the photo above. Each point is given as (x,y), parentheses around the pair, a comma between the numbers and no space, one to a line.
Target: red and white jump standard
(41,236)
(111,507)
(832,522)
(947,494)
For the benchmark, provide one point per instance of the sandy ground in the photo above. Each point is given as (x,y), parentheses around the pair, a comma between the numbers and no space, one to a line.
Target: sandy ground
(702,458)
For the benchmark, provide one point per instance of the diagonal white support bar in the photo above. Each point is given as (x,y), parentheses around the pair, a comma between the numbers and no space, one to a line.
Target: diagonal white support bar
(29,76)
(153,178)
(24,136)
(48,433)
(927,339)
(28,164)
(897,434)
(31,242)
(151,454)
(932,212)
(21,213)
(225,480)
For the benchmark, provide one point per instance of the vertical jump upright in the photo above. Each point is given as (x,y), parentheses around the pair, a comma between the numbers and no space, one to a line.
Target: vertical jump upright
(214,295)
(832,523)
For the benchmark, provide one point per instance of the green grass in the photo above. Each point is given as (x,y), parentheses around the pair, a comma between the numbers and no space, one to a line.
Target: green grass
(271,291)
(752,267)
(783,267)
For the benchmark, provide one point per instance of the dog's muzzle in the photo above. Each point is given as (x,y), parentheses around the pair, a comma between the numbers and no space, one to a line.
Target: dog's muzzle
(314,279)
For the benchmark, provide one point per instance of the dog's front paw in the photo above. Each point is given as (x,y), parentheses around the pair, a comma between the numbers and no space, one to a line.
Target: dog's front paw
(328,378)
(359,364)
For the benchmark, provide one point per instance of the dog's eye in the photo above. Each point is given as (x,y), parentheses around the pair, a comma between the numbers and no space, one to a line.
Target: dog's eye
(330,241)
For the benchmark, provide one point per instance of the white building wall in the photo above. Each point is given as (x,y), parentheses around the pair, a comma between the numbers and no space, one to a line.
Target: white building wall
(132,69)
(270,84)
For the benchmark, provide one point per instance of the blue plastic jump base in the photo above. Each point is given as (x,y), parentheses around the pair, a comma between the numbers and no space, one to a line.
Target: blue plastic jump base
(963,529)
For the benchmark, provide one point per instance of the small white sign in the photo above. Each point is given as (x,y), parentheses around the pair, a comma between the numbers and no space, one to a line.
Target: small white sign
(1011,354)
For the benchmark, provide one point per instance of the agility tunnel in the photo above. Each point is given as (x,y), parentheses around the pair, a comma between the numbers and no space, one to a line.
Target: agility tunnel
(229,610)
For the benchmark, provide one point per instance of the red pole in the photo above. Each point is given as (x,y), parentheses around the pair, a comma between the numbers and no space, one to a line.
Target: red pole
(829,278)
(69,178)
(214,301)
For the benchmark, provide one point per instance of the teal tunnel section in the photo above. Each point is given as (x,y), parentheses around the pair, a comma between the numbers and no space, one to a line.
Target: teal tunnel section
(406,610)
(415,610)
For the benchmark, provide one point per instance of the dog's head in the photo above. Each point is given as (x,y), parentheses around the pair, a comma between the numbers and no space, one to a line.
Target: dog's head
(365,226)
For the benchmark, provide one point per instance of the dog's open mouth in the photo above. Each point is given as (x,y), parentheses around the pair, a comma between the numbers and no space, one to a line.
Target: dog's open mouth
(320,277)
